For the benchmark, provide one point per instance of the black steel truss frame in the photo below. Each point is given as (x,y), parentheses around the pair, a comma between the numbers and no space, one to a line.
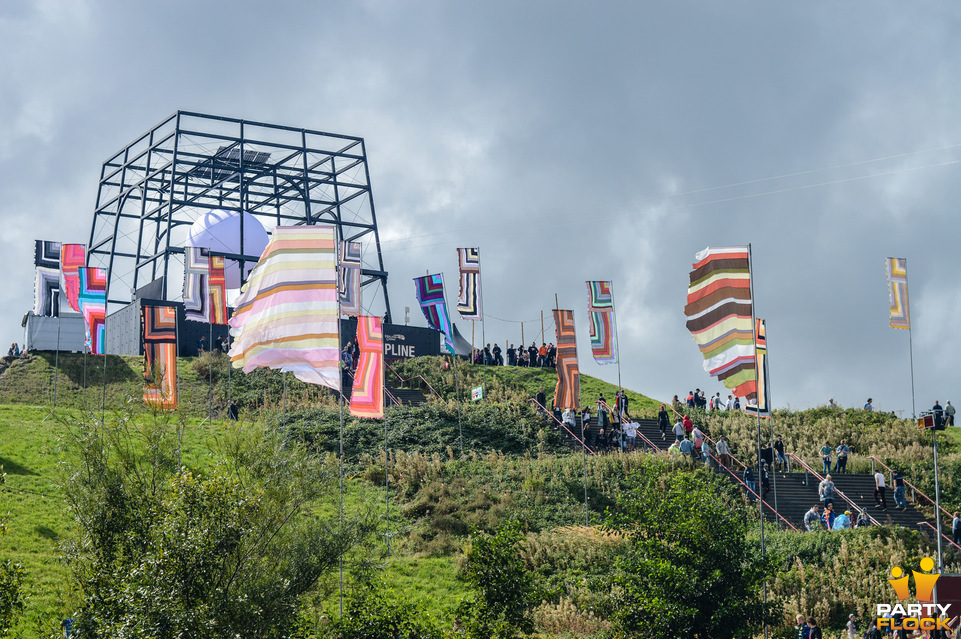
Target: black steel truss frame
(153,189)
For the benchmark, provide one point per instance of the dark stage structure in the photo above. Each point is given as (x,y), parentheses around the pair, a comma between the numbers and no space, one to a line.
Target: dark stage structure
(192,166)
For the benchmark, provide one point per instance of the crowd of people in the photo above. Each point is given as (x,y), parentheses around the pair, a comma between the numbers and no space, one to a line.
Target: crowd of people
(544,356)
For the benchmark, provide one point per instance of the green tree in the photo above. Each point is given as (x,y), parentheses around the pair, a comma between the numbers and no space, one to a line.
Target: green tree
(506,592)
(165,551)
(691,571)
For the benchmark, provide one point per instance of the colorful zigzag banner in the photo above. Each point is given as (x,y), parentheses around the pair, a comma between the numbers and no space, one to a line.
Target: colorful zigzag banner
(897,268)
(469,296)
(47,283)
(367,396)
(567,393)
(430,294)
(73,257)
(349,278)
(92,297)
(158,329)
(600,307)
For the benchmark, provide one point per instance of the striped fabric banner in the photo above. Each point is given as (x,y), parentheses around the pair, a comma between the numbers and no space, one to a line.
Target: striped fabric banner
(719,315)
(92,297)
(73,257)
(196,286)
(600,310)
(46,286)
(763,405)
(349,278)
(286,316)
(158,329)
(897,268)
(430,294)
(367,396)
(217,284)
(567,393)
(469,296)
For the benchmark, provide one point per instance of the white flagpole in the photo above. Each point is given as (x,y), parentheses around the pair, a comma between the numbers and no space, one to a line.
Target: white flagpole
(760,477)
(460,427)
(907,311)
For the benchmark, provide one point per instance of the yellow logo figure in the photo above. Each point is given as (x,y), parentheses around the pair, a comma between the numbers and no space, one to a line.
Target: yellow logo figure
(900,583)
(923,583)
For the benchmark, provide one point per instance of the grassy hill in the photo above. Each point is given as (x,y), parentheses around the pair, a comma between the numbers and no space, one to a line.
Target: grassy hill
(512,469)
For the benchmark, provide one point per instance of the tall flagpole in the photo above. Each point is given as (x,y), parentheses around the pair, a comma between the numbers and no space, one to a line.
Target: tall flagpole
(210,352)
(770,410)
(760,501)
(340,403)
(617,346)
(460,427)
(56,367)
(907,309)
(383,399)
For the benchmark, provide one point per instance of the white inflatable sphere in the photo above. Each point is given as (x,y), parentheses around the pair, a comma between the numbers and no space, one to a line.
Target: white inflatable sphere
(220,232)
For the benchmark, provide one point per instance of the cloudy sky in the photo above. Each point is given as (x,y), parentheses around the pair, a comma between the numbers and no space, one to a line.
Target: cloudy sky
(569,141)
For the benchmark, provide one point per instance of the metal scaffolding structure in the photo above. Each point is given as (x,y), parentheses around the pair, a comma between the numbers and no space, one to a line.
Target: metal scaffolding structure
(155,188)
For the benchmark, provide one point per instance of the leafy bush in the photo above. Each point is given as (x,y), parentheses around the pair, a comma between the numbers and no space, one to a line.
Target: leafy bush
(372,612)
(164,551)
(691,570)
(505,595)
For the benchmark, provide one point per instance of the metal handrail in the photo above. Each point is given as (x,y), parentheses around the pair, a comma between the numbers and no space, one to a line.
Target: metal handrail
(639,433)
(755,493)
(562,425)
(907,483)
(844,497)
(390,395)
(420,377)
(932,527)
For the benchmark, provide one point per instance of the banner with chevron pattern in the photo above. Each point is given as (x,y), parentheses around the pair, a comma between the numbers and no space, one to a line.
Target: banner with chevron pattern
(897,268)
(73,257)
(92,298)
(367,396)
(46,287)
(158,329)
(348,283)
(600,310)
(430,293)
(469,296)
(567,393)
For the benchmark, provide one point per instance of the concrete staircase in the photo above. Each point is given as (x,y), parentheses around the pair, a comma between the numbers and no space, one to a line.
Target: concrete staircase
(407,396)
(793,493)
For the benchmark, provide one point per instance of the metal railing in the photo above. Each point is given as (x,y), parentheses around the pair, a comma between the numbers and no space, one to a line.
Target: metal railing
(935,530)
(561,424)
(647,441)
(390,396)
(820,478)
(404,381)
(735,476)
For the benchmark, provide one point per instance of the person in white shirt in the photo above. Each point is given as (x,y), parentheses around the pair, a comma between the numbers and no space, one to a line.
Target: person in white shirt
(568,418)
(730,402)
(879,490)
(852,631)
(723,452)
(630,431)
(678,430)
